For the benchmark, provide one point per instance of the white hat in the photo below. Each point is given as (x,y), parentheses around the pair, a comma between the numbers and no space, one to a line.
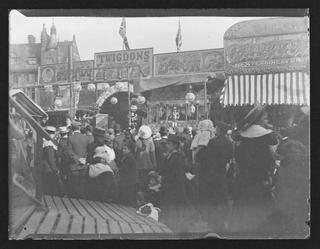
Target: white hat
(145,132)
(51,128)
(63,129)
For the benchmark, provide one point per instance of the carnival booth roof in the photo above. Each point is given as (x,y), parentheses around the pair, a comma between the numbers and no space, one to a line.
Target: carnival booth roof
(163,81)
(29,105)
(267,61)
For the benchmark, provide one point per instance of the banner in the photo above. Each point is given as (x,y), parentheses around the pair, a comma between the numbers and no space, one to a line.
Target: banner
(278,45)
(58,73)
(114,64)
(189,62)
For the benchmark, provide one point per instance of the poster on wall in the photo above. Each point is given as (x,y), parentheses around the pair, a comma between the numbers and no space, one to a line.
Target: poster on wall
(102,120)
(58,73)
(188,62)
(112,65)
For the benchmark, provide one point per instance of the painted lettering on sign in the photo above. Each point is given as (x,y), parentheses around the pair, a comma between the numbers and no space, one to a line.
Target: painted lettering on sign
(57,73)
(267,54)
(189,62)
(113,65)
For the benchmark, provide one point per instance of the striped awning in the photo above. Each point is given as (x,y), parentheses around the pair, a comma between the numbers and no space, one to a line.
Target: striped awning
(271,89)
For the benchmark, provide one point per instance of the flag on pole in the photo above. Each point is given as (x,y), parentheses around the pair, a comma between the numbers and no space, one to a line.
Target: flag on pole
(122,30)
(179,38)
(123,33)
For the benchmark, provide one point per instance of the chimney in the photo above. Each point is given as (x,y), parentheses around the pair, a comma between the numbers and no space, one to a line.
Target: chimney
(31,39)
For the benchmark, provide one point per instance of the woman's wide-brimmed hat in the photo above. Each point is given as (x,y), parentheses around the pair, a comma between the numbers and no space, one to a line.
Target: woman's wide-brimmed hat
(145,132)
(251,117)
(205,125)
(99,132)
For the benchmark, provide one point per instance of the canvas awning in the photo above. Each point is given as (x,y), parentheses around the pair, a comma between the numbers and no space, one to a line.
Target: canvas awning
(30,106)
(163,81)
(290,88)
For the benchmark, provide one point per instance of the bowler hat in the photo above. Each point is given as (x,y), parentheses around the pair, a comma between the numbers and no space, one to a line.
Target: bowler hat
(251,117)
(173,138)
(224,127)
(99,132)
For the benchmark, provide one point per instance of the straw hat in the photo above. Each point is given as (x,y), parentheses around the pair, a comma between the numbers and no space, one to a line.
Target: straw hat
(51,129)
(63,129)
(251,117)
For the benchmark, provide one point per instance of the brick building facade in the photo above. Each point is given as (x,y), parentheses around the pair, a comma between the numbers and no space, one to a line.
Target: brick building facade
(27,57)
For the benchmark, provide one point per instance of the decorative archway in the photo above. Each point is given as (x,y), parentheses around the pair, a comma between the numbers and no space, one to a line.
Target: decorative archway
(118,87)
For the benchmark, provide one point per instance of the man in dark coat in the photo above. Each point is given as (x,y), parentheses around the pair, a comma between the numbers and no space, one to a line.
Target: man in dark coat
(213,194)
(160,147)
(99,136)
(118,143)
(63,157)
(78,152)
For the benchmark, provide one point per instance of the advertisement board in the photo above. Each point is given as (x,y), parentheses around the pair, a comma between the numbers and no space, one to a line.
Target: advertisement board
(188,62)
(272,48)
(113,65)
(58,73)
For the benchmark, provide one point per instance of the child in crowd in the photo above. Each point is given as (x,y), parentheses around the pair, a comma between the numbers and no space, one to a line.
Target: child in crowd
(128,176)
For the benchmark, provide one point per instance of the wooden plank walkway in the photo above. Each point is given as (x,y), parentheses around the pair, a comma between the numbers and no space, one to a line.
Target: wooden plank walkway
(67,216)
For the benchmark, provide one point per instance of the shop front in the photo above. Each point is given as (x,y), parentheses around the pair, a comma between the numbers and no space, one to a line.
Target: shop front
(267,61)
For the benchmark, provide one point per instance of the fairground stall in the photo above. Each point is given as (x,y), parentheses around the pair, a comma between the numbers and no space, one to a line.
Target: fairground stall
(98,86)
(182,83)
(267,61)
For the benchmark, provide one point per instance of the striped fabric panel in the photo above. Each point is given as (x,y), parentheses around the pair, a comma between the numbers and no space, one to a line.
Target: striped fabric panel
(278,88)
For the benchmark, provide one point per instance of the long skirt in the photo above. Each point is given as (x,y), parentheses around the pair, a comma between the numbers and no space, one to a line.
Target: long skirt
(128,195)
(253,207)
(101,188)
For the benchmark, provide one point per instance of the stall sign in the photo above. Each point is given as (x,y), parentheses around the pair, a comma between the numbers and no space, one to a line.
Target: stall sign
(114,65)
(276,50)
(58,73)
(189,62)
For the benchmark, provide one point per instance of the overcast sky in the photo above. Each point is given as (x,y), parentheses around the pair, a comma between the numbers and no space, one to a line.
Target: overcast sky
(101,34)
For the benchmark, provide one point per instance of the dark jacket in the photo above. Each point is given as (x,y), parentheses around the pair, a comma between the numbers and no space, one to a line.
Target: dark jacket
(128,171)
(212,170)
(255,164)
(173,180)
(63,155)
(49,159)
(79,143)
(160,148)
(117,145)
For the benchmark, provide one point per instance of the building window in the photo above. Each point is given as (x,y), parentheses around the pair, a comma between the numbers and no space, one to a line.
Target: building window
(14,59)
(31,78)
(32,60)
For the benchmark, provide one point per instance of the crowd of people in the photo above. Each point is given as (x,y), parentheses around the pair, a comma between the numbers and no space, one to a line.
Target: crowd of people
(242,180)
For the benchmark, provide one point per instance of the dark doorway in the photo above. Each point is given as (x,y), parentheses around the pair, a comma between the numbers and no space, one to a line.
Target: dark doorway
(119,111)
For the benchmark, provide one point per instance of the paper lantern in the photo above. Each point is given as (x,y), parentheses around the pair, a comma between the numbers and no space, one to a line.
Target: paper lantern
(77,87)
(103,86)
(114,100)
(58,102)
(141,100)
(190,97)
(133,108)
(91,87)
(48,88)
